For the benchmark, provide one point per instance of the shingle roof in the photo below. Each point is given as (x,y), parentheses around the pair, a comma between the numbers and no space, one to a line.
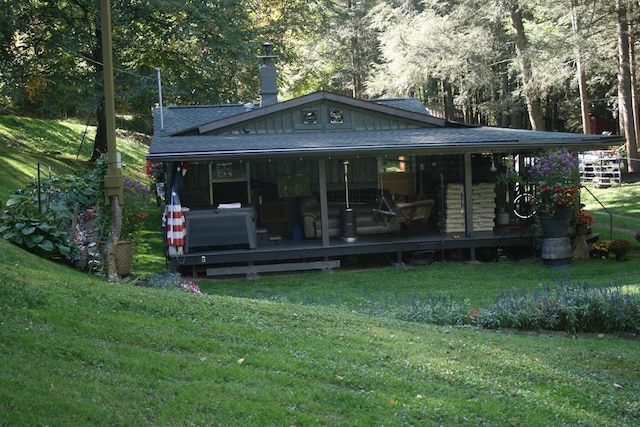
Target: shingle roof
(408,104)
(434,140)
(179,118)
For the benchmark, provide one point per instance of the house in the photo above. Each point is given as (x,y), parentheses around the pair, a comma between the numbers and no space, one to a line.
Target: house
(301,183)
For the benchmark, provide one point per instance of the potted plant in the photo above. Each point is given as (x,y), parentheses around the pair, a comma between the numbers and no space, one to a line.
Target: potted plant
(557,178)
(620,248)
(601,247)
(137,200)
(583,223)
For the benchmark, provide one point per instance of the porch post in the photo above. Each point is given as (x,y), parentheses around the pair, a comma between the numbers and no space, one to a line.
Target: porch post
(324,211)
(248,172)
(468,202)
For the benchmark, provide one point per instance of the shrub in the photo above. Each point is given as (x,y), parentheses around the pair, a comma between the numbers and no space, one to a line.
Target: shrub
(569,307)
(439,310)
(40,217)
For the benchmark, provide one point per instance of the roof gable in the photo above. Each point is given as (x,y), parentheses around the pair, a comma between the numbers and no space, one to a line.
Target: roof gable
(319,111)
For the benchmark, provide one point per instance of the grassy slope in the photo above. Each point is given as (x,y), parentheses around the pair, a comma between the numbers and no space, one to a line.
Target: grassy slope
(76,351)
(61,146)
(64,147)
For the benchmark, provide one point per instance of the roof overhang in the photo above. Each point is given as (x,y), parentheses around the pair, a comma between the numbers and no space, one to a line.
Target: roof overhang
(422,141)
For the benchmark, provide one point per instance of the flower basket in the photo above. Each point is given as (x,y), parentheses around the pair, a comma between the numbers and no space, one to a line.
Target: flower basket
(557,178)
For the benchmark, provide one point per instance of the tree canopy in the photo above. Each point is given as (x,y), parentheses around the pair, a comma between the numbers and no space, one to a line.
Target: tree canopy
(536,64)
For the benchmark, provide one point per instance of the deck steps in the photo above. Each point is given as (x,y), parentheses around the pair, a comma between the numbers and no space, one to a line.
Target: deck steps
(265,239)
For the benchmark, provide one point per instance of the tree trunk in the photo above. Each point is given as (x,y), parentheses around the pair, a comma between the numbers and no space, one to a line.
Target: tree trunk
(624,85)
(100,141)
(522,45)
(108,252)
(447,94)
(582,84)
(634,166)
(505,116)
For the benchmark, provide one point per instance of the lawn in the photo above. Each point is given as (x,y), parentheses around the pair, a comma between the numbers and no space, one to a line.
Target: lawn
(308,349)
(77,351)
(55,146)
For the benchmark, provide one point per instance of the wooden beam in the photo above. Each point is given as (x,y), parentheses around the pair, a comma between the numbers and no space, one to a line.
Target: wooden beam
(251,271)
(324,210)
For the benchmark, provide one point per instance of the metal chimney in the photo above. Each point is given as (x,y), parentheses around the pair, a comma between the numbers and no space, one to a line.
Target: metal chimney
(268,77)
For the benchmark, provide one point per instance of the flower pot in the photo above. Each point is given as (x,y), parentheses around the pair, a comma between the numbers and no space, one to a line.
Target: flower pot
(556,224)
(580,247)
(621,256)
(556,245)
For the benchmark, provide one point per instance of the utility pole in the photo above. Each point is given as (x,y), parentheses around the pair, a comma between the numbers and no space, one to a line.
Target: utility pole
(113,182)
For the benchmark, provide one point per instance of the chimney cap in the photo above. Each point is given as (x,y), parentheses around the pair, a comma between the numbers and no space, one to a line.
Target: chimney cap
(267,46)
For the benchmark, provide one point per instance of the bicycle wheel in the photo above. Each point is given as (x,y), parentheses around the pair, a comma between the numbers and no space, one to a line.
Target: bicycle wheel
(523,206)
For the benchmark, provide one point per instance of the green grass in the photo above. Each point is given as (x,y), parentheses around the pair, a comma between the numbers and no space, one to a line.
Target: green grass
(388,286)
(299,349)
(622,210)
(77,351)
(62,147)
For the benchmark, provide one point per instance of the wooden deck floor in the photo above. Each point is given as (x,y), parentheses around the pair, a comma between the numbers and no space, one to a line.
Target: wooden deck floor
(310,253)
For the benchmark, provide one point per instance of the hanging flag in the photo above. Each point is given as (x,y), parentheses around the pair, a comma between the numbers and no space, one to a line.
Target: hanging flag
(176,229)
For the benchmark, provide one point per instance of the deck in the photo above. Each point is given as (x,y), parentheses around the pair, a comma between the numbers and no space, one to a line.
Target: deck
(289,255)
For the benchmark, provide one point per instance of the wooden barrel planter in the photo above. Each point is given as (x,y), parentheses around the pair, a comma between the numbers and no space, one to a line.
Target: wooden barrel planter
(556,245)
(556,251)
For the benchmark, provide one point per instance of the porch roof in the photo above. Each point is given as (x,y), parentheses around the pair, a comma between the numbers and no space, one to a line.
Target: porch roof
(433,140)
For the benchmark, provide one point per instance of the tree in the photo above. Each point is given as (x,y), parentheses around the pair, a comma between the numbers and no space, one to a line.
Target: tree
(337,52)
(205,49)
(523,53)
(624,85)
(580,72)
